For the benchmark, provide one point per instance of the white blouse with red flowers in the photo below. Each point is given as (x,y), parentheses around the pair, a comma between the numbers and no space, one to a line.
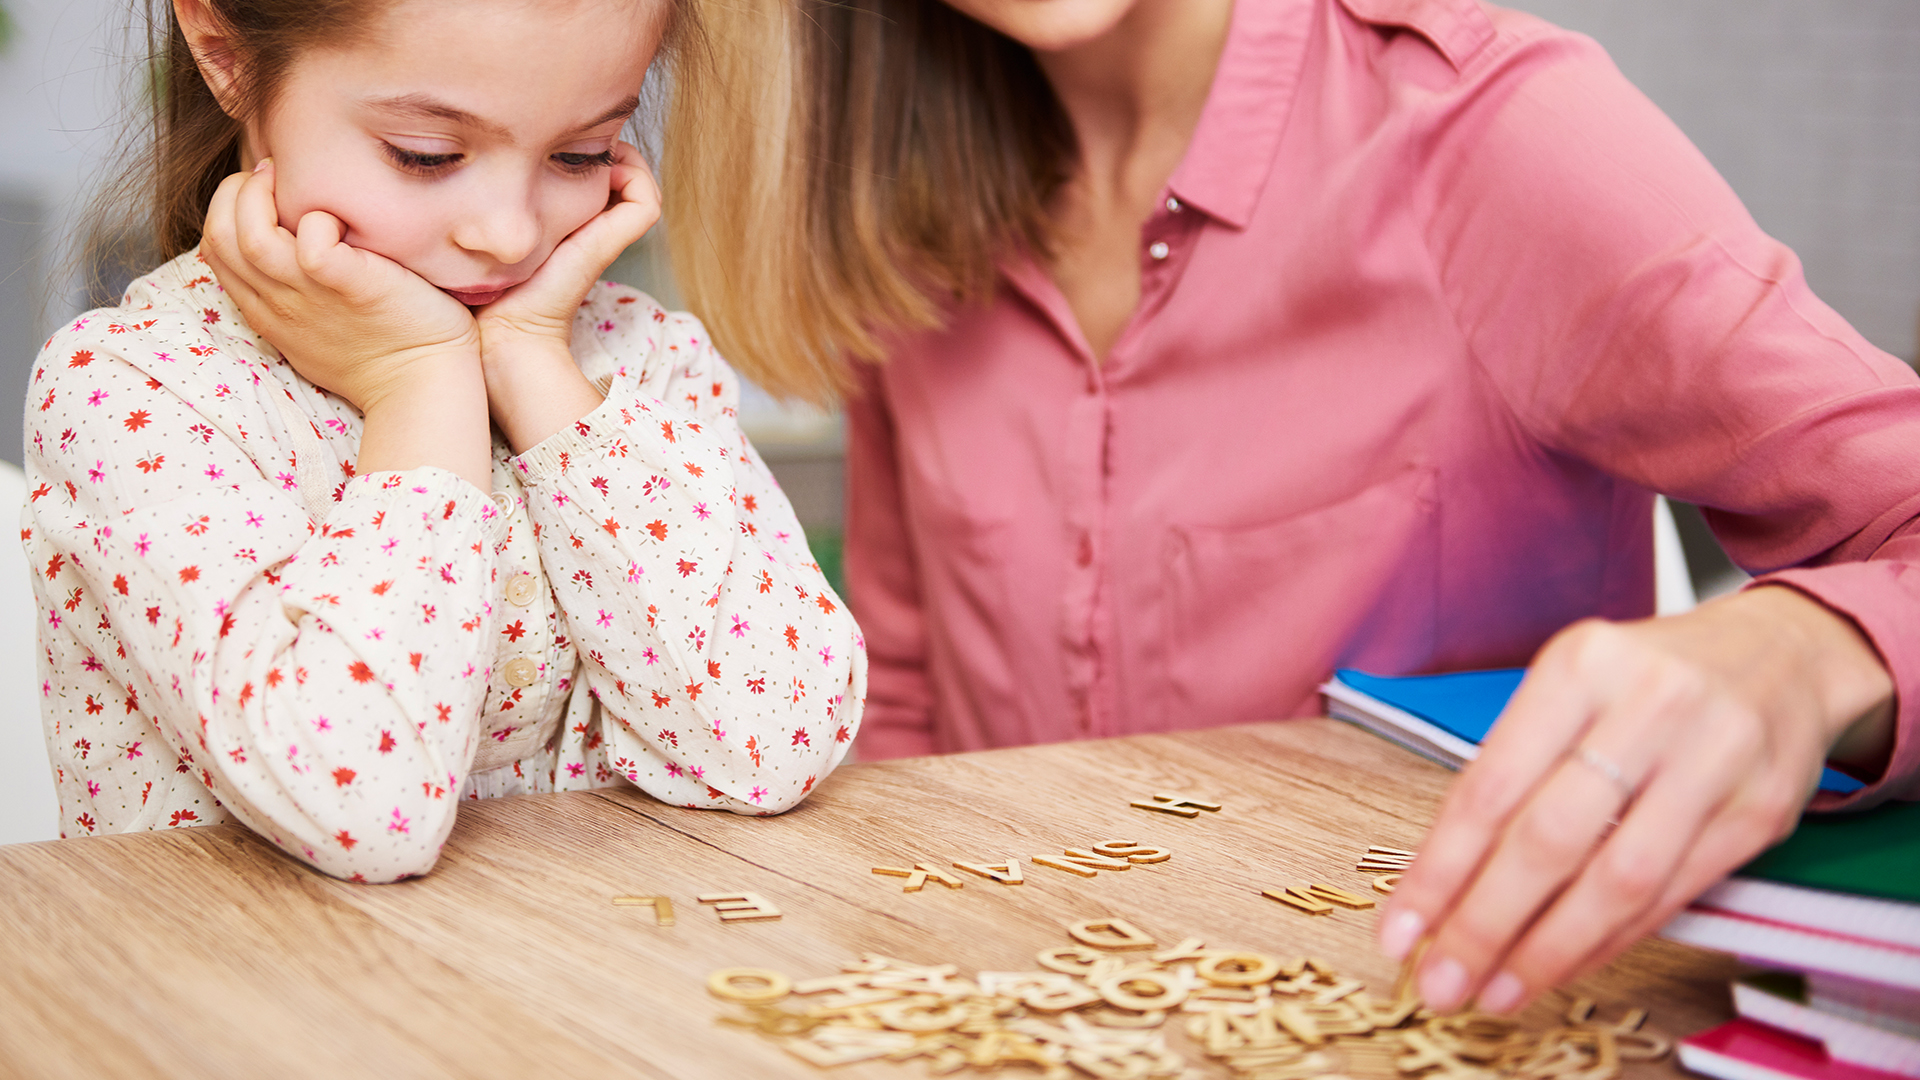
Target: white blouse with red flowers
(237,625)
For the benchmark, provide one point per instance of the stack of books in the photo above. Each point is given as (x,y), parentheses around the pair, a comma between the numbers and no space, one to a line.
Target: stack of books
(1833,911)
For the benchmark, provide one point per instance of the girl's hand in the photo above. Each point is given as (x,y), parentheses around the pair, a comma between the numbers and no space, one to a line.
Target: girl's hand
(364,327)
(353,322)
(1702,735)
(533,386)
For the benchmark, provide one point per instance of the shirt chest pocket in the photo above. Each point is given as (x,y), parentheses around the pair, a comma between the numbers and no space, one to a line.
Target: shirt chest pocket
(1257,615)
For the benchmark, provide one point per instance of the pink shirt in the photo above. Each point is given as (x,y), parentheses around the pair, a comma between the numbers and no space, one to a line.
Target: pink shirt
(1433,306)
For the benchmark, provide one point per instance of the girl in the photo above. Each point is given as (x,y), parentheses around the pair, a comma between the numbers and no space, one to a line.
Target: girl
(481,527)
(1230,341)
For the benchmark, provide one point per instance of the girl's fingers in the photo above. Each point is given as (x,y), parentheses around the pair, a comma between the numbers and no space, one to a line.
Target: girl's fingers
(1549,712)
(257,230)
(322,255)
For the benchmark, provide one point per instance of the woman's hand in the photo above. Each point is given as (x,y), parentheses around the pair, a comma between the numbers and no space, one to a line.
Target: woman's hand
(361,326)
(1702,735)
(533,386)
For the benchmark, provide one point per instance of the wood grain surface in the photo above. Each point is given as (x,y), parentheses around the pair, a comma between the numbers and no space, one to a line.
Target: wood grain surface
(205,953)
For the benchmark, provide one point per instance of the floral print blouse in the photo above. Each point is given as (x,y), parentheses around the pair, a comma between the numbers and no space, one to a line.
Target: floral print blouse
(235,624)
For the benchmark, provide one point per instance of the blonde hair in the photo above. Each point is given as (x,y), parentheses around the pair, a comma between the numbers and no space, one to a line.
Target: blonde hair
(838,170)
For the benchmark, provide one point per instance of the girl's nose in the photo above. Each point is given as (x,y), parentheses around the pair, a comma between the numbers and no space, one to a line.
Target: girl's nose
(501,226)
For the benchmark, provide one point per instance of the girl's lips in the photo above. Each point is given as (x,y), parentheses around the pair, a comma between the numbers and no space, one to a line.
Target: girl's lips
(477,297)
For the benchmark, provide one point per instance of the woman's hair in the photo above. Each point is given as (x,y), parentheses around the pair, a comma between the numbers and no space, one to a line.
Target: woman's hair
(184,143)
(841,169)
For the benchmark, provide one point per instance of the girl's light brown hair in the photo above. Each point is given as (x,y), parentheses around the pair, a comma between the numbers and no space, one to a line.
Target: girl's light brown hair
(840,169)
(186,143)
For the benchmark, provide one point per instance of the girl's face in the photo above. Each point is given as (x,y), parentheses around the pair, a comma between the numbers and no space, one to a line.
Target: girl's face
(1047,25)
(463,139)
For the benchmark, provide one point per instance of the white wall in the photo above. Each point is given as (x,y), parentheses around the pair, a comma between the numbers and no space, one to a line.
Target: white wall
(1811,109)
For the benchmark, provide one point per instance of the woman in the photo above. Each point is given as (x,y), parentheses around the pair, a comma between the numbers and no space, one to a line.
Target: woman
(1226,343)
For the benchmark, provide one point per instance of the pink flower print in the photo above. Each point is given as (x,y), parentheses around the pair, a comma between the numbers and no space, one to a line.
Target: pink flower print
(634,570)
(698,772)
(649,656)
(605,618)
(215,472)
(826,655)
(576,768)
(96,397)
(756,795)
(674,769)
(718,735)
(400,823)
(697,637)
(700,511)
(98,472)
(93,789)
(142,545)
(740,627)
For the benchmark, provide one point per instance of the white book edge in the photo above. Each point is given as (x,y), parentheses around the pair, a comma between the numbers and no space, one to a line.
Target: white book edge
(1845,1038)
(1893,921)
(1397,725)
(1781,946)
(1727,1067)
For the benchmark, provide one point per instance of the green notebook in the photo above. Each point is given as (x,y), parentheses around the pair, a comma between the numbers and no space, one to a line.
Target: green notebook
(1875,853)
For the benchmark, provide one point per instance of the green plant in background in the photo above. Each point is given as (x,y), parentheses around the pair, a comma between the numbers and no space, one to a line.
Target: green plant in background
(6,28)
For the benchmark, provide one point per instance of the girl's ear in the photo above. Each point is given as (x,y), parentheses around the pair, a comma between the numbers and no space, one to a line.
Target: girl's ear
(212,47)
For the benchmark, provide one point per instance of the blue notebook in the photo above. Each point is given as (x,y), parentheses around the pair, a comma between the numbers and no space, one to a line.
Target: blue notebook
(1446,717)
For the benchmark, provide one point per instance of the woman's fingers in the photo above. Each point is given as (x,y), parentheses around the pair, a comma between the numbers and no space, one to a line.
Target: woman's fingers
(1553,708)
(1626,878)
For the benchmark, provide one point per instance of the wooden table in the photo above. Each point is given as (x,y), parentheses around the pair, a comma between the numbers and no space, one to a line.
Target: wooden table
(205,953)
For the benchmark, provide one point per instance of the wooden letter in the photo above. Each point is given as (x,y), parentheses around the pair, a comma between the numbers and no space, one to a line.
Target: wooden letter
(1298,898)
(749,986)
(1057,864)
(1007,873)
(1176,804)
(916,879)
(662,907)
(1132,852)
(940,876)
(1114,934)
(1339,896)
(743,905)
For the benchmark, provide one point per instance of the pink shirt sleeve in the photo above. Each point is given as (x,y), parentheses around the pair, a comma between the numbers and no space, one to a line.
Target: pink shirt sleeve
(1632,315)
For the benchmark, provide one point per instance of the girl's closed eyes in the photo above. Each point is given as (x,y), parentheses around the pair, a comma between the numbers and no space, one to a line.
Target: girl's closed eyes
(429,165)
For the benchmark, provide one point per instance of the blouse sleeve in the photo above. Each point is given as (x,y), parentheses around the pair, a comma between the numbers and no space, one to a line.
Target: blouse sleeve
(734,676)
(1631,314)
(323,681)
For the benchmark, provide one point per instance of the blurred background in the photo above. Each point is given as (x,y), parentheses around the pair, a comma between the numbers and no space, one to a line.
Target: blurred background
(1811,109)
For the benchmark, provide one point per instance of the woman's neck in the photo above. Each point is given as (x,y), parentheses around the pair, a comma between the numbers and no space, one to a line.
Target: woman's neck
(1134,94)
(1134,97)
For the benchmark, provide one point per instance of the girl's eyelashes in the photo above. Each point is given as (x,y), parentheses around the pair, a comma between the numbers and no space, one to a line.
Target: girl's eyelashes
(419,164)
(416,163)
(580,163)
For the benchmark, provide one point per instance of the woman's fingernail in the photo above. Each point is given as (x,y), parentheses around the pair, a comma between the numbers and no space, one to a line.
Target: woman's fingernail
(1400,932)
(262,163)
(1444,984)
(1502,993)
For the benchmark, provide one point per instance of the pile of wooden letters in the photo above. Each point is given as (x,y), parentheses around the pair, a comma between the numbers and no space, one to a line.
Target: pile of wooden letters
(1100,1007)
